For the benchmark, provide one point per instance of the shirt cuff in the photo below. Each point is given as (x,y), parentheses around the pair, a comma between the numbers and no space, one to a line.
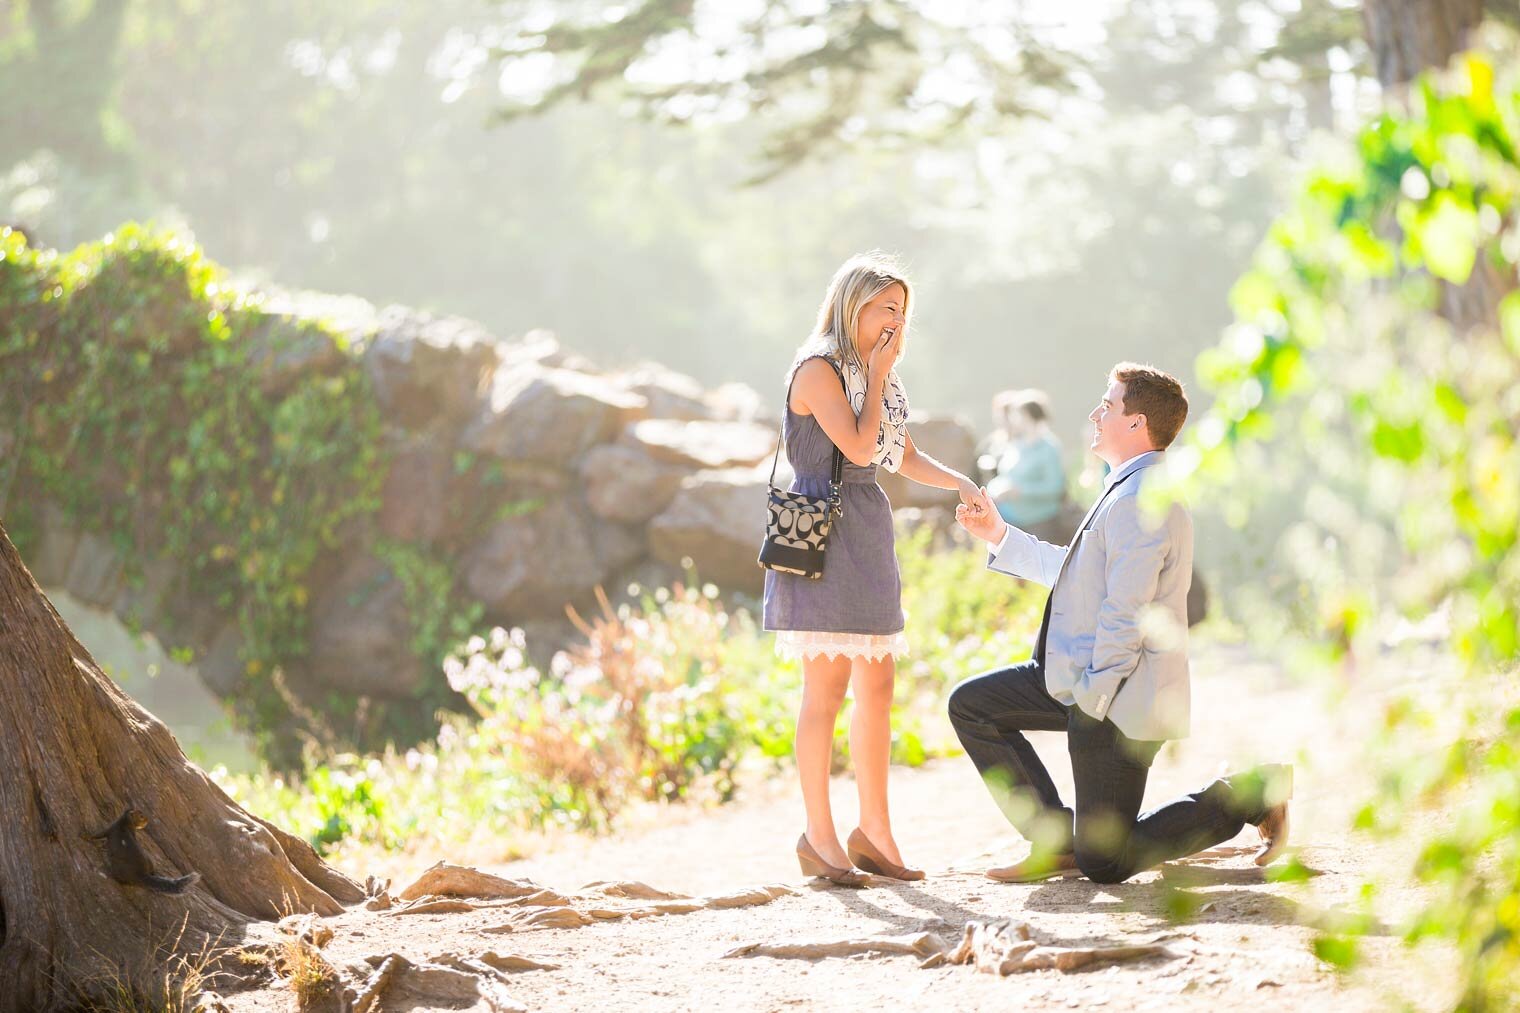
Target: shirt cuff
(1007,530)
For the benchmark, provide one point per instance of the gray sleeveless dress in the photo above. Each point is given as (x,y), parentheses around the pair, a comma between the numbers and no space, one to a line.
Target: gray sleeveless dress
(860,592)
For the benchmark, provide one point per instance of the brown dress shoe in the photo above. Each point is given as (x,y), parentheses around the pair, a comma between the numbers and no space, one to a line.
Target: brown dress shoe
(1037,869)
(814,865)
(866,855)
(1274,828)
(1274,834)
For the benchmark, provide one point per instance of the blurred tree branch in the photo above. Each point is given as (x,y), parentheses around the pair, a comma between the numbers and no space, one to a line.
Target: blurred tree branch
(64,62)
(1318,27)
(822,77)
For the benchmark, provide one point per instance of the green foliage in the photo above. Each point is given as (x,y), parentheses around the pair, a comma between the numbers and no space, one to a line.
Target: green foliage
(963,619)
(131,386)
(954,601)
(1376,354)
(1160,147)
(441,616)
(667,701)
(345,803)
(1338,951)
(1335,306)
(648,708)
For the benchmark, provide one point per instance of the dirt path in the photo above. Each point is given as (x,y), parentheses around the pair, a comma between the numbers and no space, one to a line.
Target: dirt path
(1244,940)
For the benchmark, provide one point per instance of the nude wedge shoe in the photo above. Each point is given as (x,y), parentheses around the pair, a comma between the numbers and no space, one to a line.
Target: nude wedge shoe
(813,865)
(865,855)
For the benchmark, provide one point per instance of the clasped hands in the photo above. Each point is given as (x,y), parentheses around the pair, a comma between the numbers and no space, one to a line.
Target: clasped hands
(976,514)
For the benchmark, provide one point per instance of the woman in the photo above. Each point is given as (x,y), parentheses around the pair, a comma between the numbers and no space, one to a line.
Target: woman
(847,626)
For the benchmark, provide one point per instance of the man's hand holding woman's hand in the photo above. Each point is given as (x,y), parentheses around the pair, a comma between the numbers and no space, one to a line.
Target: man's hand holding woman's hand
(977,514)
(971,496)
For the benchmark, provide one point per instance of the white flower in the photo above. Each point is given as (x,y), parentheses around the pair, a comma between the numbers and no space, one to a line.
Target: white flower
(453,670)
(581,676)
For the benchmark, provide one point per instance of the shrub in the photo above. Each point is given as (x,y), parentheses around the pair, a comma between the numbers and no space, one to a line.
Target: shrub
(666,700)
(130,390)
(1379,367)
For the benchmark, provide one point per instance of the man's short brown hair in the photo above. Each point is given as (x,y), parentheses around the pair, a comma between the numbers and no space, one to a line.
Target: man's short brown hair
(1156,395)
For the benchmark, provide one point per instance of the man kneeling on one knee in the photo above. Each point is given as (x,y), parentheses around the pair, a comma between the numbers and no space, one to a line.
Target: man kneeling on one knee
(1110,669)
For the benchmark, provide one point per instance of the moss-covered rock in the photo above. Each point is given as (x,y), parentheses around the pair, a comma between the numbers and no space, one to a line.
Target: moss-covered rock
(313,498)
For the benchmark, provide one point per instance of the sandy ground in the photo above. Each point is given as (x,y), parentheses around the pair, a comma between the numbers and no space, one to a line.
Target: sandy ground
(1246,942)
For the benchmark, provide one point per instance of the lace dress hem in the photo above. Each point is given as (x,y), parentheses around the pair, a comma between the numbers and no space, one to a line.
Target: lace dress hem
(800,644)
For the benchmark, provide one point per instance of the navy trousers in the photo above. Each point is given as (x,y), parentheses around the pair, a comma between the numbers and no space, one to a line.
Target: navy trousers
(1112,840)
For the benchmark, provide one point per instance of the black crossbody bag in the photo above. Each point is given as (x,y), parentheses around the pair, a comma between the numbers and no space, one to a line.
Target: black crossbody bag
(797,526)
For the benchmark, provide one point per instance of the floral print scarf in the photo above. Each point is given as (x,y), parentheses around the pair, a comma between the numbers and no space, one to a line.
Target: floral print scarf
(892,439)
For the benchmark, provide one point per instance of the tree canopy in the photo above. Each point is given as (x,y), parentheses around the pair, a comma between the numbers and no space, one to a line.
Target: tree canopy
(1078,187)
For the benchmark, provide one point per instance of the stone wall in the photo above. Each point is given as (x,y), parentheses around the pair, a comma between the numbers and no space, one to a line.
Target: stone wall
(525,473)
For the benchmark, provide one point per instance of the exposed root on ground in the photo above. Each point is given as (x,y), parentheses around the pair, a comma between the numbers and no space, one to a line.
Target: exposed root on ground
(470,983)
(402,984)
(493,962)
(1001,947)
(306,928)
(542,918)
(1008,947)
(475,981)
(920,944)
(631,890)
(439,890)
(447,880)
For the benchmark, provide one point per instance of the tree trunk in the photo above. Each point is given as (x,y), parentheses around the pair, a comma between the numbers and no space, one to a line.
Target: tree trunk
(75,752)
(1409,36)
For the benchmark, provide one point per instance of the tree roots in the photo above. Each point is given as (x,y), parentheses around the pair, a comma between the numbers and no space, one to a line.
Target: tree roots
(440,889)
(1001,947)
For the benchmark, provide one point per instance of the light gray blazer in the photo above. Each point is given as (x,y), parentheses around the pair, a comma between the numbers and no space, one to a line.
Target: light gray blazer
(1117,641)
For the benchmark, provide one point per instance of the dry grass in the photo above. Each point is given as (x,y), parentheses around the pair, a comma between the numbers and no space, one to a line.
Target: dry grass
(172,986)
(311,979)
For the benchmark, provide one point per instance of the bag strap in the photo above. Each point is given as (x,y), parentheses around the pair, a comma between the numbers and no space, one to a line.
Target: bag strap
(786,406)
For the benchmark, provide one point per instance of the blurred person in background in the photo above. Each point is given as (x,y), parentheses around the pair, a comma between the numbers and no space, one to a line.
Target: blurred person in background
(1028,484)
(989,449)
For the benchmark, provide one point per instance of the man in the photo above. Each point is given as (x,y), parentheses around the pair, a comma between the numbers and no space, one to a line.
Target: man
(1110,669)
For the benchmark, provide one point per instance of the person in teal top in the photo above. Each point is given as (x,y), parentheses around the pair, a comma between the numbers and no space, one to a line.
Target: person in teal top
(1029,487)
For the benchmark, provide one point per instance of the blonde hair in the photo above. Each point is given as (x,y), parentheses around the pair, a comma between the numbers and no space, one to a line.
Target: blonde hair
(859,280)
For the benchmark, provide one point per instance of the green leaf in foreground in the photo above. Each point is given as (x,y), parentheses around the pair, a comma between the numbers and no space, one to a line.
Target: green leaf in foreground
(1342,952)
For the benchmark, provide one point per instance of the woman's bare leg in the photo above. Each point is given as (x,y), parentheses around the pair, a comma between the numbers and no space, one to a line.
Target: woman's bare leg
(824,681)
(870,748)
